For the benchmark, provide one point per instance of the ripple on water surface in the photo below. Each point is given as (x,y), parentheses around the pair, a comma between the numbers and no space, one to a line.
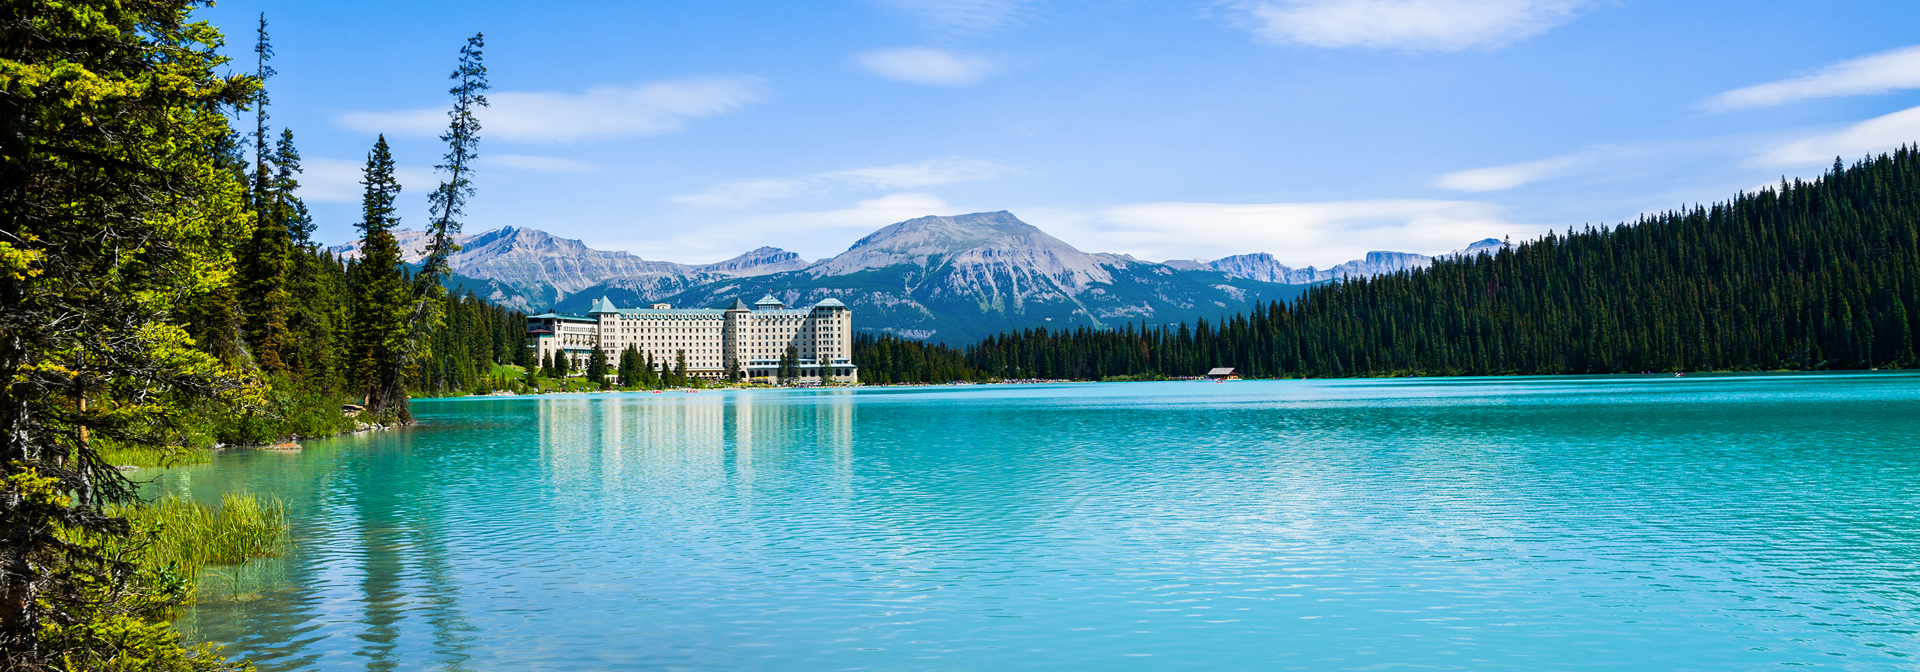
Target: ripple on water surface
(1706,523)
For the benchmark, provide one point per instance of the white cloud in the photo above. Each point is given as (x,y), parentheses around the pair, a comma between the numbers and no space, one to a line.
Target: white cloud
(928,173)
(922,174)
(1502,177)
(1298,234)
(1426,25)
(535,164)
(744,192)
(1880,73)
(961,15)
(1876,135)
(324,180)
(933,67)
(1498,178)
(602,112)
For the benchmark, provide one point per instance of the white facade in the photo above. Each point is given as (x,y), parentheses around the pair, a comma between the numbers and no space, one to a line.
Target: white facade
(751,339)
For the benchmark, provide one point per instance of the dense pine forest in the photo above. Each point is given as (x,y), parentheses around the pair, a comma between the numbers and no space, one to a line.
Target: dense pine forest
(1818,275)
(888,359)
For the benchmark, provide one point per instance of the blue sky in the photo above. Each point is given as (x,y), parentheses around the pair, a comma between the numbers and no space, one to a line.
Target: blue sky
(1311,129)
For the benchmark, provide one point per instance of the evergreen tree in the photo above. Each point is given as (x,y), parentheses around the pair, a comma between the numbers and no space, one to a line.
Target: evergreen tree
(631,374)
(597,367)
(117,209)
(267,256)
(291,212)
(463,141)
(680,368)
(449,200)
(789,365)
(381,332)
(314,280)
(214,317)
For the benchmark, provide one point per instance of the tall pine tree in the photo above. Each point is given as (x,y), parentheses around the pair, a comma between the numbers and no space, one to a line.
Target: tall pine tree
(382,305)
(268,254)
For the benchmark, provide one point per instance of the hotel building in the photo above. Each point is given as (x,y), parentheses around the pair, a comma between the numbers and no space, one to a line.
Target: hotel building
(751,338)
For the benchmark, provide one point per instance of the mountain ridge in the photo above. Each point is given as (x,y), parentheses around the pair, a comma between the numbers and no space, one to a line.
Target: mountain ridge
(946,278)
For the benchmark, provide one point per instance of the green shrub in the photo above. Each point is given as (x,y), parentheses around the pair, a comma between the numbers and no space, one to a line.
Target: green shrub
(294,408)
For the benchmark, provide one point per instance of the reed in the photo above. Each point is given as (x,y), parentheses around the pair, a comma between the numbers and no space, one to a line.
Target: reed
(188,536)
(153,456)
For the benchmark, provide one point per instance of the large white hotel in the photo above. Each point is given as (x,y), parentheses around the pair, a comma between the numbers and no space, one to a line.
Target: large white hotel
(752,338)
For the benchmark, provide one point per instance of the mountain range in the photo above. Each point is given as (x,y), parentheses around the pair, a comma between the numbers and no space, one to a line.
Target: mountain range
(951,279)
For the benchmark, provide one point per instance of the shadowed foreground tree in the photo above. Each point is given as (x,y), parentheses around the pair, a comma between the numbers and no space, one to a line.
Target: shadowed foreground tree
(116,212)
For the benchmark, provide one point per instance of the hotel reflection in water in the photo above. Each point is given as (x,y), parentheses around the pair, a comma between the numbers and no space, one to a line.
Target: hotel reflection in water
(587,442)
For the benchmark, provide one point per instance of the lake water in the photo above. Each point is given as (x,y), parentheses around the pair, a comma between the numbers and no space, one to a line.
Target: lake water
(1607,523)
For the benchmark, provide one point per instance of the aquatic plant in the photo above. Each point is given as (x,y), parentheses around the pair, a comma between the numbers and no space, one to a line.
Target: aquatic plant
(185,536)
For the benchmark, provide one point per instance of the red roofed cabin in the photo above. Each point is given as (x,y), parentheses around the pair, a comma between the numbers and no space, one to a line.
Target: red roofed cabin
(1223,373)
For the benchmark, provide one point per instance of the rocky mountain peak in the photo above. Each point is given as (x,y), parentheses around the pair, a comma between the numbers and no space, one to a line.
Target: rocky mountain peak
(981,244)
(758,262)
(1482,246)
(413,246)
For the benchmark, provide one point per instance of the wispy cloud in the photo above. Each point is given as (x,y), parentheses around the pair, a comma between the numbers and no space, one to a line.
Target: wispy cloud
(1499,178)
(535,164)
(928,173)
(601,112)
(976,16)
(745,192)
(1884,72)
(1420,25)
(324,180)
(1299,234)
(923,174)
(1879,134)
(933,67)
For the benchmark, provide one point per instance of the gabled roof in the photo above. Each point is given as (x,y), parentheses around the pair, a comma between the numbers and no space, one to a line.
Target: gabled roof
(829,303)
(737,304)
(603,306)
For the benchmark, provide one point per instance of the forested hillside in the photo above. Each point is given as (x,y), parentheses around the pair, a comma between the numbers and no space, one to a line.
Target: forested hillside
(1806,276)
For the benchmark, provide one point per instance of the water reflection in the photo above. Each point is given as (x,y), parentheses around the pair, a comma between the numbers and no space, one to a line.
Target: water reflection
(600,444)
(1699,524)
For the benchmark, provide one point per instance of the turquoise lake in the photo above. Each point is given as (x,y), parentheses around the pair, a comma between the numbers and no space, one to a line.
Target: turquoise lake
(1738,522)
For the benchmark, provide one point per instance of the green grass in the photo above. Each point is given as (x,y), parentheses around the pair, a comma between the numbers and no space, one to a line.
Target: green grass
(189,536)
(151,456)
